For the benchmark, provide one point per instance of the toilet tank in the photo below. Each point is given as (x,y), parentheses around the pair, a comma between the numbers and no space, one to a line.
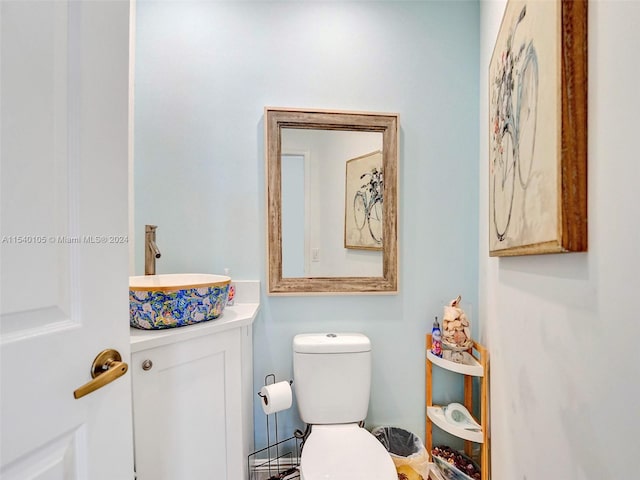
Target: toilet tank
(332,377)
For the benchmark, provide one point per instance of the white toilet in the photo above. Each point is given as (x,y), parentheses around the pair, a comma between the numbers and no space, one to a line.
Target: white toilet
(332,380)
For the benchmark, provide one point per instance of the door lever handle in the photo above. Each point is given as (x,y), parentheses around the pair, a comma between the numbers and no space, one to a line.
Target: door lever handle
(106,367)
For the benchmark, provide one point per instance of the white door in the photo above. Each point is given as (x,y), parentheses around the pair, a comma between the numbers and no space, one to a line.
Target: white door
(63,276)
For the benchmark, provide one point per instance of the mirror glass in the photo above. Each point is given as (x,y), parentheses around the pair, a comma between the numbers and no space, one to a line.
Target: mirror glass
(317,211)
(332,201)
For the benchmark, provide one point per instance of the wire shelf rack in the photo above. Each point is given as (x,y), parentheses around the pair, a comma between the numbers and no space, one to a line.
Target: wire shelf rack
(280,459)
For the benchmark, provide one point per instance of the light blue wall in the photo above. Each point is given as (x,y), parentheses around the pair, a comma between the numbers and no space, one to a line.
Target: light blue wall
(205,71)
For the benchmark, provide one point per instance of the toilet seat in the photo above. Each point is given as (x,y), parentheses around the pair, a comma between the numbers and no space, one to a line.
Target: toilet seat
(345,452)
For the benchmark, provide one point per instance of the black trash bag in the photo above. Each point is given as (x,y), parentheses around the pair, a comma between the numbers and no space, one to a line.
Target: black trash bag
(405,448)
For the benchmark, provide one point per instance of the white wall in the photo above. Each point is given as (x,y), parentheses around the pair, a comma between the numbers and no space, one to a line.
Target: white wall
(205,71)
(562,329)
(295,241)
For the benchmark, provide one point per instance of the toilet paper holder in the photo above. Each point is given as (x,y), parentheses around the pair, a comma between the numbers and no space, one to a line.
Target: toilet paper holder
(272,376)
(280,458)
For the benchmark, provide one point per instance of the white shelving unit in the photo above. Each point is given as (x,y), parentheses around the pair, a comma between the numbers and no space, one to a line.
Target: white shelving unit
(475,363)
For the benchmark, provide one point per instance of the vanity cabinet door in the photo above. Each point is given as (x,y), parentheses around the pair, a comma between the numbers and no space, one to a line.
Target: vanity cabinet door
(187,409)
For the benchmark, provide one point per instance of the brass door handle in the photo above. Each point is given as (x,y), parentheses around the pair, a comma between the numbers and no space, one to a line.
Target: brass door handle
(107,366)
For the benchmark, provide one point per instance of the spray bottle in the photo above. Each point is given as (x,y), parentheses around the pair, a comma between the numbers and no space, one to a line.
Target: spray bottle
(436,339)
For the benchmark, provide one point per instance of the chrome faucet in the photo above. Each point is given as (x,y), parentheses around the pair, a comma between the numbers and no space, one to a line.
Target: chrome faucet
(151,250)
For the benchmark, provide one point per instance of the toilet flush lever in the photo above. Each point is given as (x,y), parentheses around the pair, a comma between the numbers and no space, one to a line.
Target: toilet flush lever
(106,367)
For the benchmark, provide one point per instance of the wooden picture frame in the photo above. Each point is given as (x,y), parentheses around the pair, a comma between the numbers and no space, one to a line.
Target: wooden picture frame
(363,202)
(277,119)
(538,130)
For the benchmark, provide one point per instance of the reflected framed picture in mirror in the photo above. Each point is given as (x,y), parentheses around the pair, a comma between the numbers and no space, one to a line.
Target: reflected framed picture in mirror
(328,229)
(363,205)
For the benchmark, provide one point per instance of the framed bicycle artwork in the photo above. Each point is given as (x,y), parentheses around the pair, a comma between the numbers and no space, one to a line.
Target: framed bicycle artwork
(364,185)
(538,129)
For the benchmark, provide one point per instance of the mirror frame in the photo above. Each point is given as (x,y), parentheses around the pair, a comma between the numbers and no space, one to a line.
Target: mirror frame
(275,119)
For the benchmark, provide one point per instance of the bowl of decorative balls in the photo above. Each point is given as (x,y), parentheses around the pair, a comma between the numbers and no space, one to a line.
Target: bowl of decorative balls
(455,465)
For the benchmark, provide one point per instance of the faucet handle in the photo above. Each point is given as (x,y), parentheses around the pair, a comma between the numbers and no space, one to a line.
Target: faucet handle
(151,250)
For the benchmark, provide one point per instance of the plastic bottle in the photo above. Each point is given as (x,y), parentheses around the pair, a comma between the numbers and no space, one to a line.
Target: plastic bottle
(436,339)
(231,295)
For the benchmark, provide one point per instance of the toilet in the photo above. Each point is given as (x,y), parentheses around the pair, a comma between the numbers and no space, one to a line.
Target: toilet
(332,380)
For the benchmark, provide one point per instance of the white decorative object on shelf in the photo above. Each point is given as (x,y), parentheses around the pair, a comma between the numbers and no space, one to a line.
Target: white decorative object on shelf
(458,415)
(436,415)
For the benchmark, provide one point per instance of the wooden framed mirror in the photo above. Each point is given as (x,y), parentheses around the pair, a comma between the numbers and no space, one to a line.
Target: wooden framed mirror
(332,201)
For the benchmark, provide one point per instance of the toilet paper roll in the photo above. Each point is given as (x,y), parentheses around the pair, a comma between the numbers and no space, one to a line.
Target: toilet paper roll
(276,397)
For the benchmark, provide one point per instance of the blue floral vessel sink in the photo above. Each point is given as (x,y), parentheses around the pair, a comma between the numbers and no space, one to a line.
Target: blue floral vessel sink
(176,300)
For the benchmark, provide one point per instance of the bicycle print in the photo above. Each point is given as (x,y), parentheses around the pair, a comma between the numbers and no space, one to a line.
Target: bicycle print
(364,202)
(367,204)
(514,116)
(537,122)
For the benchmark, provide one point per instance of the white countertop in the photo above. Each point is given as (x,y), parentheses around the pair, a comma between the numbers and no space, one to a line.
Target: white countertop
(236,316)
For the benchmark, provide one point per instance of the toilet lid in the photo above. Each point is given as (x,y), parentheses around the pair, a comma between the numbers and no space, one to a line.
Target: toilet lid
(345,452)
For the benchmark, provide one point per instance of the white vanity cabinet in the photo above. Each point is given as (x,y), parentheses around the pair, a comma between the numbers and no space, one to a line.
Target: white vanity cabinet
(192,399)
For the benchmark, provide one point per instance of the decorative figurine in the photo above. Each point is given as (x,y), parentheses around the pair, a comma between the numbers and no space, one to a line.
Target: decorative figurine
(456,330)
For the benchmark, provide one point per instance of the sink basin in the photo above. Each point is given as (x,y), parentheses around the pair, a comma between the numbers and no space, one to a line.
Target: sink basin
(176,300)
